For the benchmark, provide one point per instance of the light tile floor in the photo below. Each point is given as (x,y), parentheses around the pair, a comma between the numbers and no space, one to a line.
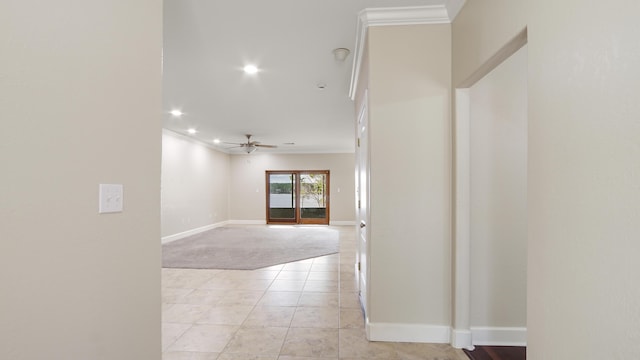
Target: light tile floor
(305,310)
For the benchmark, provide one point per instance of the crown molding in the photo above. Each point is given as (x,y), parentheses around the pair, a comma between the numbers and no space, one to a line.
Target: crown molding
(454,7)
(415,15)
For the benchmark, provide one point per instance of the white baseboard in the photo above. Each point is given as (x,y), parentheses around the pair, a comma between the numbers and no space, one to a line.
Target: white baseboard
(342,223)
(408,333)
(246,222)
(496,336)
(184,234)
(461,339)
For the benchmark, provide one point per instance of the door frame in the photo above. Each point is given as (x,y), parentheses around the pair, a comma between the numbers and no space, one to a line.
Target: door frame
(363,229)
(461,335)
(298,219)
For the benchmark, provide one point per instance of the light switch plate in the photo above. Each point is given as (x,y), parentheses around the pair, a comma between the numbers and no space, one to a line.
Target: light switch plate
(110,198)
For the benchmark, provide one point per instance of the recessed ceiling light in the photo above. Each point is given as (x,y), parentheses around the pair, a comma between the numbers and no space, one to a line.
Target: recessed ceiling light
(176,113)
(250,69)
(192,131)
(216,141)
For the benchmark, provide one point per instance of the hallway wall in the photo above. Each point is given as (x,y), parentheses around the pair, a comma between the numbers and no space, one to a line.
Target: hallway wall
(80,93)
(584,223)
(410,184)
(480,30)
(498,211)
(582,169)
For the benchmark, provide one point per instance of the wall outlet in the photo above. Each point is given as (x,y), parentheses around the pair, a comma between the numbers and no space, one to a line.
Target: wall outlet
(110,198)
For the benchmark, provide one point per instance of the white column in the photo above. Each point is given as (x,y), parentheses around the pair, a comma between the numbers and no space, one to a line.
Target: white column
(461,334)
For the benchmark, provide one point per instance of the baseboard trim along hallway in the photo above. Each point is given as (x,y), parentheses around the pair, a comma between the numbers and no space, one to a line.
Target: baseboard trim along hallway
(416,333)
(499,336)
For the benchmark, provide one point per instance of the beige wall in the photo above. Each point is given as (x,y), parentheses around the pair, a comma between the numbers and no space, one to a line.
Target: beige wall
(582,175)
(480,30)
(583,179)
(409,126)
(498,212)
(247,188)
(80,92)
(195,185)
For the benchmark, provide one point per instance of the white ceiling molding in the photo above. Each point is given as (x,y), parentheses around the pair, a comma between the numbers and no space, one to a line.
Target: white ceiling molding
(454,7)
(416,15)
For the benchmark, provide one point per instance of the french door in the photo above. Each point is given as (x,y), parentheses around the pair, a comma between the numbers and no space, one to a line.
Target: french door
(298,197)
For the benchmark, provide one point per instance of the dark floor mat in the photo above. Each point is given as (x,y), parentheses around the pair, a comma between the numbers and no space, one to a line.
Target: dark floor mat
(497,353)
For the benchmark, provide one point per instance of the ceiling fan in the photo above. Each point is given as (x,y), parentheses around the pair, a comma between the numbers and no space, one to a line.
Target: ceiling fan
(250,146)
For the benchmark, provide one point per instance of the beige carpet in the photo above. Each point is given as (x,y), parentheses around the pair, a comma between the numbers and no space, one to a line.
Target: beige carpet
(248,248)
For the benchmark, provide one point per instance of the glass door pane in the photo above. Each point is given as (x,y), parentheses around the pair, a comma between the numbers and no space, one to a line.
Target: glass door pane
(314,198)
(282,197)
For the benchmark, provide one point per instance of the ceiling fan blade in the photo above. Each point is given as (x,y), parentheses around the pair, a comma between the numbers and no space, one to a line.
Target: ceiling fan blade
(251,146)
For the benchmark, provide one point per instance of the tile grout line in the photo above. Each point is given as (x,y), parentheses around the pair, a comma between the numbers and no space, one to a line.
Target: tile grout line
(324,267)
(190,324)
(252,309)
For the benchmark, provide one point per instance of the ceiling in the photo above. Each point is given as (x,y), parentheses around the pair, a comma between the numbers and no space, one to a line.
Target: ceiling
(208,42)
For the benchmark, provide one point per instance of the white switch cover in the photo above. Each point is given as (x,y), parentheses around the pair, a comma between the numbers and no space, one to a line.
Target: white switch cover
(111,198)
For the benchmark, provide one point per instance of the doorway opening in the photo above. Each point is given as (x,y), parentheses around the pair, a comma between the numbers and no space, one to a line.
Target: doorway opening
(297,197)
(491,201)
